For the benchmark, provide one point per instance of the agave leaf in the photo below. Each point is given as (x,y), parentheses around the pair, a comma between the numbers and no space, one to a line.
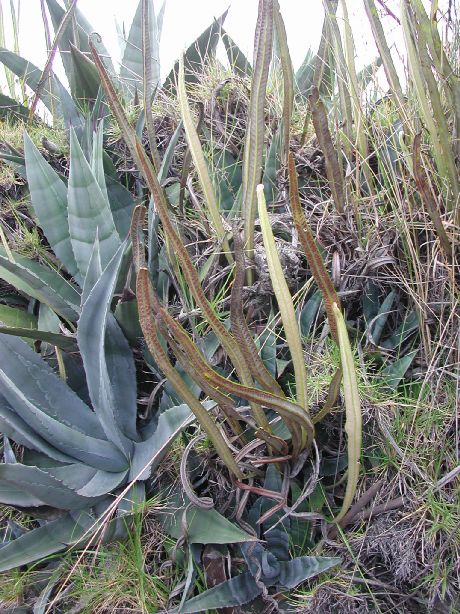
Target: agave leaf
(85,81)
(38,382)
(197,54)
(148,453)
(84,30)
(238,61)
(203,526)
(41,283)
(292,573)
(234,592)
(149,81)
(8,453)
(121,204)
(408,326)
(353,423)
(271,168)
(394,372)
(44,541)
(93,273)
(308,313)
(267,342)
(127,316)
(12,494)
(49,200)
(89,212)
(122,375)
(14,159)
(370,302)
(48,320)
(377,325)
(61,341)
(10,108)
(131,70)
(43,599)
(304,75)
(87,481)
(120,528)
(17,318)
(331,466)
(56,99)
(14,427)
(105,354)
(226,177)
(43,485)
(58,415)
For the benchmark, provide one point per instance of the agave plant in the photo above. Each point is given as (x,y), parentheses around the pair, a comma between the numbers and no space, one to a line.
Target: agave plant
(268,562)
(74,458)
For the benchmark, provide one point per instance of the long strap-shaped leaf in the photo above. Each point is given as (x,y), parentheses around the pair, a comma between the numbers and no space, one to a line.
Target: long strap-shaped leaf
(283,296)
(333,170)
(253,150)
(289,411)
(147,83)
(353,423)
(311,250)
(89,211)
(200,162)
(190,274)
(288,79)
(240,327)
(145,304)
(139,262)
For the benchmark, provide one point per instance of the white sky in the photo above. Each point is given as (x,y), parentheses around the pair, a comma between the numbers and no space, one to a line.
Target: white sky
(186,19)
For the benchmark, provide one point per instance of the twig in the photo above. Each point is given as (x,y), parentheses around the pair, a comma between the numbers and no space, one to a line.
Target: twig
(49,61)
